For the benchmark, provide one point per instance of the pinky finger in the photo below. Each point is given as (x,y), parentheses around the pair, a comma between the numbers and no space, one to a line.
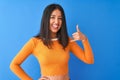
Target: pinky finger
(73,40)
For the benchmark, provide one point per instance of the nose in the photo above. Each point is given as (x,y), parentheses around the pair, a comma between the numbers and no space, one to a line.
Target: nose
(56,20)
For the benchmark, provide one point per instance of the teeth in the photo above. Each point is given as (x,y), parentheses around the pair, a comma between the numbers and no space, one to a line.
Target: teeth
(55,26)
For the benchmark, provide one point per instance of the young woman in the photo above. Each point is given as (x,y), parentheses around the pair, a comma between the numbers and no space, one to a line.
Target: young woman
(52,46)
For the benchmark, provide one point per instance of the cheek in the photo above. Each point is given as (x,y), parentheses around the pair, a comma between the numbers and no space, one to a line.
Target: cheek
(51,21)
(60,23)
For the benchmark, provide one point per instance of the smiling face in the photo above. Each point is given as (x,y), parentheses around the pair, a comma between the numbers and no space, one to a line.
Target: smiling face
(55,22)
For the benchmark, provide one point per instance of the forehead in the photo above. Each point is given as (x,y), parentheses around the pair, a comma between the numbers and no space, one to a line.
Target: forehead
(56,12)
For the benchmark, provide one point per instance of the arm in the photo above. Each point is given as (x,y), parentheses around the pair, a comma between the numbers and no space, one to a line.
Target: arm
(86,54)
(19,58)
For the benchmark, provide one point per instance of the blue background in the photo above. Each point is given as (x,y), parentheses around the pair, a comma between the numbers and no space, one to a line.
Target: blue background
(99,20)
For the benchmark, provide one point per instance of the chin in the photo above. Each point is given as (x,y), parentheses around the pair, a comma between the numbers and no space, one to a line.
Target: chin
(54,31)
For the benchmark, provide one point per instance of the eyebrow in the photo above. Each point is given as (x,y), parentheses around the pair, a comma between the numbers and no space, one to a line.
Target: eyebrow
(55,15)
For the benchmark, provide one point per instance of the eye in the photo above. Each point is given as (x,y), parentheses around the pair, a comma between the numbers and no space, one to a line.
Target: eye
(52,17)
(60,18)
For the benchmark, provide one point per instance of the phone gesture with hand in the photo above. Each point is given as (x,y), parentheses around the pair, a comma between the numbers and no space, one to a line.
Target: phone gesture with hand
(78,35)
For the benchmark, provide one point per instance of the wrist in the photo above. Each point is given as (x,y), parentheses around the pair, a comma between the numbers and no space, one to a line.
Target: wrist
(84,40)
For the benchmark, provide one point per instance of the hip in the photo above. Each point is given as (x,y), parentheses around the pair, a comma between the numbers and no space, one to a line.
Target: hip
(58,77)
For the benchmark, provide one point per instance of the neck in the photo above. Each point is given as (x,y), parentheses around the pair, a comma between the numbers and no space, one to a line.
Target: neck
(53,35)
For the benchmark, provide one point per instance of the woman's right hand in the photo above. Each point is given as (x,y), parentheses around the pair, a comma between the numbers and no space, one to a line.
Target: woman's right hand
(78,35)
(44,78)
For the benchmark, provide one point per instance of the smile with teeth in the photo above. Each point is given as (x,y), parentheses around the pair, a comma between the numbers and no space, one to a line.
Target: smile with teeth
(55,26)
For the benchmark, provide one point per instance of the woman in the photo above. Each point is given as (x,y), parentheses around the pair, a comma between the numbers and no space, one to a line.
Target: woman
(52,46)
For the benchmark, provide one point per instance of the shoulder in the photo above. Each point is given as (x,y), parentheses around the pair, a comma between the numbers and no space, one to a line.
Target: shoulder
(35,40)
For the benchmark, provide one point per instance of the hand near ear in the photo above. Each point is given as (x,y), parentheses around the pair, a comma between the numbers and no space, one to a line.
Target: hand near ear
(78,35)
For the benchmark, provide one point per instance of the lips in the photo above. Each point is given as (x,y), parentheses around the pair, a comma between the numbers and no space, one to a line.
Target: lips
(55,26)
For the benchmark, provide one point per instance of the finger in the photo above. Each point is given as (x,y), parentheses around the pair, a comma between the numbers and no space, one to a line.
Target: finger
(78,30)
(44,78)
(73,40)
(76,33)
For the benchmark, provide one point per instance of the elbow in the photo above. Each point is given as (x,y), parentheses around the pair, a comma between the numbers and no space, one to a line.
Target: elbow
(90,61)
(11,66)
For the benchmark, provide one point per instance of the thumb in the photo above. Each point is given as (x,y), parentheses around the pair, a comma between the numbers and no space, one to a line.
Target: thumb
(77,28)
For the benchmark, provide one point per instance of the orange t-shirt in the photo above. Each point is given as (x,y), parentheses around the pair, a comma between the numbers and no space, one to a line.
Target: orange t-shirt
(52,61)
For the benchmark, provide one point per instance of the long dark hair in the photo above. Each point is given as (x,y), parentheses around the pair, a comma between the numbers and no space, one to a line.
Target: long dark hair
(44,33)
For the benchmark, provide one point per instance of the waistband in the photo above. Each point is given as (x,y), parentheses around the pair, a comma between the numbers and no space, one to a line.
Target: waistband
(59,77)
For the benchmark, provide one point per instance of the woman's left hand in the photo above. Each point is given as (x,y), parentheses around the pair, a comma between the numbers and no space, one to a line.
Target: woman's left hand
(78,35)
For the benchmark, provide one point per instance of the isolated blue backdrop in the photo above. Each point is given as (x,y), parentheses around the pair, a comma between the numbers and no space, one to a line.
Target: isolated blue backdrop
(99,20)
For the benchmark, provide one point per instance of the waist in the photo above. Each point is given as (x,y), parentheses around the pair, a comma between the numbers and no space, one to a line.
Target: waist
(57,77)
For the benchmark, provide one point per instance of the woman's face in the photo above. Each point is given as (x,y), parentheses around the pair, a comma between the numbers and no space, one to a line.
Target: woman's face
(55,21)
